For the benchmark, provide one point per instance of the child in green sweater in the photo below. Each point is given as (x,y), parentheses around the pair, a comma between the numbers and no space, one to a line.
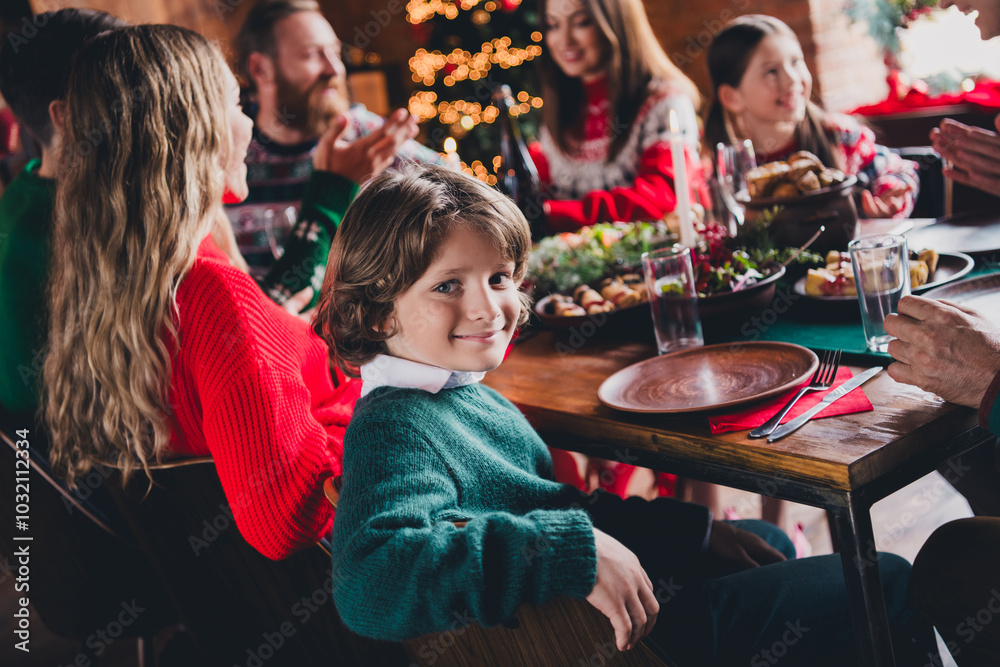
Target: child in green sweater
(34,74)
(449,509)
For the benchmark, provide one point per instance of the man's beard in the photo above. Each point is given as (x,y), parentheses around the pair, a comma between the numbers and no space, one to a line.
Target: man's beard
(310,110)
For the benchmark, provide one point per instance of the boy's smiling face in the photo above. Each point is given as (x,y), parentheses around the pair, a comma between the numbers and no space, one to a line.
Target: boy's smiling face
(462,312)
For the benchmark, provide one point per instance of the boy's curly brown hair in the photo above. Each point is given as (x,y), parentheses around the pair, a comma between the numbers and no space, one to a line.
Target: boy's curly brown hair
(389,236)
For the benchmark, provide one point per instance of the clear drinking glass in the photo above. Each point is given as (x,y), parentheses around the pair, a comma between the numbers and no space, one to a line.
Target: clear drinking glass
(277,225)
(731,166)
(673,299)
(882,275)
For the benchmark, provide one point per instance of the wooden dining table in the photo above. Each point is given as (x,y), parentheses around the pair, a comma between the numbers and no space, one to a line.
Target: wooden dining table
(843,464)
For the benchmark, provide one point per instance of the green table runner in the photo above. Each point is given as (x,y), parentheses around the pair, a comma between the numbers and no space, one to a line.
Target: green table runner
(846,334)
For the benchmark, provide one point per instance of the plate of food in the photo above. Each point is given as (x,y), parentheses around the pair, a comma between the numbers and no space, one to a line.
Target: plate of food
(706,378)
(928,270)
(622,298)
(620,303)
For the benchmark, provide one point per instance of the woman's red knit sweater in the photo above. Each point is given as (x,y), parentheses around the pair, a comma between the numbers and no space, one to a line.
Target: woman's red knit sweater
(585,188)
(251,387)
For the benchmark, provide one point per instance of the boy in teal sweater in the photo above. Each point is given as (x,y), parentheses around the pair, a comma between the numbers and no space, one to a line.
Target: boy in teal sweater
(448,505)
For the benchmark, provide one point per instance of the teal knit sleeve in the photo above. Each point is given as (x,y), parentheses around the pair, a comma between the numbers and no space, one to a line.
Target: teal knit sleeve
(307,246)
(401,568)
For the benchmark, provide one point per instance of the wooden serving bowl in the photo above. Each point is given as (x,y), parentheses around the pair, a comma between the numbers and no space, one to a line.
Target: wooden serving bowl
(722,315)
(800,217)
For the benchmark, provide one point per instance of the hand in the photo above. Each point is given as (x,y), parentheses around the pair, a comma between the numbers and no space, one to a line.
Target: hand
(944,348)
(973,152)
(887,204)
(368,156)
(741,547)
(623,592)
(297,302)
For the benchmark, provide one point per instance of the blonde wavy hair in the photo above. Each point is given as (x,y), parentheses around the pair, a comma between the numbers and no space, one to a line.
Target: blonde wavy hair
(144,144)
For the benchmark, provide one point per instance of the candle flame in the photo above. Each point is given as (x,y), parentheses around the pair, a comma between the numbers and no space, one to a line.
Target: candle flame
(450,145)
(674,128)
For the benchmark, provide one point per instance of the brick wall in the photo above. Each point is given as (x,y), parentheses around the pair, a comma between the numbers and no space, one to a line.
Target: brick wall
(850,63)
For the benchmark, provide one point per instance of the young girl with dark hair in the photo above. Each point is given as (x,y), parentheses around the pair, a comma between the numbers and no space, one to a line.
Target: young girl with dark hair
(762,92)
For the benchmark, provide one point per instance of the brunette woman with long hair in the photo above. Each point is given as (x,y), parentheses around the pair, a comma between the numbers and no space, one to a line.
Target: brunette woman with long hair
(159,347)
(608,88)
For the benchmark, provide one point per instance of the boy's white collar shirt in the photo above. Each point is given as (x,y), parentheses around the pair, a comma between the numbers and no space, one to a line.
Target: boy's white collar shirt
(388,371)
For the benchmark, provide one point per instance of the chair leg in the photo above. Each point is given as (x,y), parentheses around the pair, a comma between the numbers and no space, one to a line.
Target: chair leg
(834,538)
(147,651)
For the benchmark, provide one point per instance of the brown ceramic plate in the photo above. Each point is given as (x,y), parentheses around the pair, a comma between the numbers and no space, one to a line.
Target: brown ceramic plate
(981,293)
(708,378)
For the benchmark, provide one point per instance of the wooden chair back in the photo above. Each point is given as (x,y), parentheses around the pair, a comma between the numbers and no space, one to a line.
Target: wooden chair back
(239,607)
(565,631)
(88,569)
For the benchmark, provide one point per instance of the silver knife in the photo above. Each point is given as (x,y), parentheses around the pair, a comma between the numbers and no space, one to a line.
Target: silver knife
(794,425)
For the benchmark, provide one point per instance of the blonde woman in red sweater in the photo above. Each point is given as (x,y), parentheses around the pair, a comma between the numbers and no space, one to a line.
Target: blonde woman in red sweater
(159,347)
(604,151)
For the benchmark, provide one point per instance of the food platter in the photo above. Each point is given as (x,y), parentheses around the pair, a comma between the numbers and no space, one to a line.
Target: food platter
(719,312)
(637,315)
(706,378)
(951,266)
(847,185)
(799,218)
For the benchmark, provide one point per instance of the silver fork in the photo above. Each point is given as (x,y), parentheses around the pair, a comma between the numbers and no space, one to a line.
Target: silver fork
(821,379)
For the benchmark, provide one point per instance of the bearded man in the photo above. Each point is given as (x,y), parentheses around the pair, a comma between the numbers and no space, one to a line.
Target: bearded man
(289,56)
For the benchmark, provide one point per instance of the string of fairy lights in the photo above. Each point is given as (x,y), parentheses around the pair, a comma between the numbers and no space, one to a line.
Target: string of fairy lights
(459,65)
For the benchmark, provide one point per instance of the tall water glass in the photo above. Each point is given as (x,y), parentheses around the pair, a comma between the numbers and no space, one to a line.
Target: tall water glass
(732,162)
(882,275)
(673,299)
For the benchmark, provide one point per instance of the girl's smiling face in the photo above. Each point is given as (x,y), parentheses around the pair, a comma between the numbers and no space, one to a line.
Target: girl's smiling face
(574,40)
(462,312)
(776,85)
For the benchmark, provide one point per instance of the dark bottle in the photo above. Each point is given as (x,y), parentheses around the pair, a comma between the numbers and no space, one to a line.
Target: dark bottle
(517,176)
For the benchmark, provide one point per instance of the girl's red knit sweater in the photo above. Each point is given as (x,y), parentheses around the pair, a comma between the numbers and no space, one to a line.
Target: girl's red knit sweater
(251,387)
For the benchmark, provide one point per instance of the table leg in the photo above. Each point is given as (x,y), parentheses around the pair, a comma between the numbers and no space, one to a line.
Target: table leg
(864,586)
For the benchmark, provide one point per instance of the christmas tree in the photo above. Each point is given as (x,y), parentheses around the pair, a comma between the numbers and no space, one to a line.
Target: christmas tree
(467,48)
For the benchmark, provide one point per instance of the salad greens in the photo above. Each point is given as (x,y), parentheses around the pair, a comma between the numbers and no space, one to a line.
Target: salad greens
(559,263)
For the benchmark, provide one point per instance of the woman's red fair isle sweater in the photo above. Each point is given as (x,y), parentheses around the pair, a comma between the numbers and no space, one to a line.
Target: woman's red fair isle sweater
(251,387)
(585,188)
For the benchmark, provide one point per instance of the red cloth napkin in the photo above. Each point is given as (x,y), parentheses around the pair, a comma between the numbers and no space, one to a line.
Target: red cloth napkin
(854,401)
